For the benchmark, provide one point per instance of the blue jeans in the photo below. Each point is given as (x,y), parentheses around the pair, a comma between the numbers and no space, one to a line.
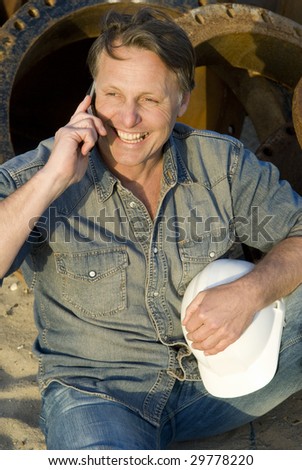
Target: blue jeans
(73,419)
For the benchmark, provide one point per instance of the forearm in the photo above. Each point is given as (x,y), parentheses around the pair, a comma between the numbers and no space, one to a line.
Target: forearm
(278,274)
(20,211)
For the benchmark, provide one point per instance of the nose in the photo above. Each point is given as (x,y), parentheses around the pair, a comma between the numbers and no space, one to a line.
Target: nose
(130,114)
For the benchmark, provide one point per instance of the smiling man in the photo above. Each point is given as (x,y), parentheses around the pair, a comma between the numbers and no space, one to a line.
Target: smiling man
(112,218)
(138,115)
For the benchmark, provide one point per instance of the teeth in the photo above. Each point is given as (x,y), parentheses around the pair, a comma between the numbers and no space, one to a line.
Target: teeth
(133,138)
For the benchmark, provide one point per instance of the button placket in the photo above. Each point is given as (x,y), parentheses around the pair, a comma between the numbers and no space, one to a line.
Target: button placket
(138,218)
(157,283)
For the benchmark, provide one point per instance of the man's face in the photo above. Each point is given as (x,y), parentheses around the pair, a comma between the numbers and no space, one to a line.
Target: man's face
(138,100)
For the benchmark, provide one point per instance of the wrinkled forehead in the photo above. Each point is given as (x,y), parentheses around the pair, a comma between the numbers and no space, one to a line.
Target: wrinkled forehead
(137,63)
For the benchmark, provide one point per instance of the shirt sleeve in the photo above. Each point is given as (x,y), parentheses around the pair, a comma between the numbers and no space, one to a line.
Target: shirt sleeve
(266,209)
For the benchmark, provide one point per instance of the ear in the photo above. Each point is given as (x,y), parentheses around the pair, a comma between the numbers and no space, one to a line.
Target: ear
(184,103)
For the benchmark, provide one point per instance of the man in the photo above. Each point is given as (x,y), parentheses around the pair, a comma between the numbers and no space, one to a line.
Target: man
(113,218)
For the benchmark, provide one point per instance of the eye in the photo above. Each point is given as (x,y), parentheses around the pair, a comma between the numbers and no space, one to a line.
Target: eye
(150,100)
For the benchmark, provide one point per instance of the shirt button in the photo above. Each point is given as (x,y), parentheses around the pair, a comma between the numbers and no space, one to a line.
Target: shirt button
(92,274)
(155,294)
(155,250)
(212,254)
(132,204)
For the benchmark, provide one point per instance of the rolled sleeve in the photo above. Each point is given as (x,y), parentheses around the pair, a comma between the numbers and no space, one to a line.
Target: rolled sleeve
(266,209)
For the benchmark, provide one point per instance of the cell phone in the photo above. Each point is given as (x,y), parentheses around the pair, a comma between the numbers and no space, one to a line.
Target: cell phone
(91,92)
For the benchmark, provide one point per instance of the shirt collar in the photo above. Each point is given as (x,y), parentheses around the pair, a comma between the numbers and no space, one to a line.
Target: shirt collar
(174,171)
(104,180)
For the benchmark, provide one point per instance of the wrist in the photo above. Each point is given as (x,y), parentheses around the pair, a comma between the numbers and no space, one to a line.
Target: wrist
(50,183)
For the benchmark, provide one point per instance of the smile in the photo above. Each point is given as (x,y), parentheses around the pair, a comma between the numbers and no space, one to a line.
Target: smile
(131,138)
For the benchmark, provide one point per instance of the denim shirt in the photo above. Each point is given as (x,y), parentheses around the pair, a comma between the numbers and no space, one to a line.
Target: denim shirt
(109,281)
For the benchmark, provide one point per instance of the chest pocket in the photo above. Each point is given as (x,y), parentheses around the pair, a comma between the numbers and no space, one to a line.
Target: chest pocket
(94,282)
(196,255)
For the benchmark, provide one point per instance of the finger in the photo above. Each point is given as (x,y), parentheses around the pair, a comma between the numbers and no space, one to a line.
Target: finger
(83,106)
(200,334)
(219,347)
(193,309)
(211,345)
(88,139)
(215,341)
(79,138)
(79,116)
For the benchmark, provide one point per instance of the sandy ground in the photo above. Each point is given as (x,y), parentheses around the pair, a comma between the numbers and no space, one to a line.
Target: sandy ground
(20,400)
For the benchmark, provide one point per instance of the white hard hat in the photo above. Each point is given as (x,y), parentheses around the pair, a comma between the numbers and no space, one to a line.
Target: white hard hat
(249,363)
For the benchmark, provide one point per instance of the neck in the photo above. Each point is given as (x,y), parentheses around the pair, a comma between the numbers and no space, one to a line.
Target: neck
(140,174)
(145,185)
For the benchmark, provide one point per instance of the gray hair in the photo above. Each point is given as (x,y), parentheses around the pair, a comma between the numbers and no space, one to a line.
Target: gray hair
(148,29)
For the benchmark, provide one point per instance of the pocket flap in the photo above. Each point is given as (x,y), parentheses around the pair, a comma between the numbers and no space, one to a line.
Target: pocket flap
(92,265)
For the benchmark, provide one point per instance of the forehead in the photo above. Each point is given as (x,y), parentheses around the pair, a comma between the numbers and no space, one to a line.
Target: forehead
(136,64)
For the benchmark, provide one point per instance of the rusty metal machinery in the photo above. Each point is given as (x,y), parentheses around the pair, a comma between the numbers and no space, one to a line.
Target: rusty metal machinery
(8,7)
(260,56)
(297,111)
(249,62)
(289,8)
(248,38)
